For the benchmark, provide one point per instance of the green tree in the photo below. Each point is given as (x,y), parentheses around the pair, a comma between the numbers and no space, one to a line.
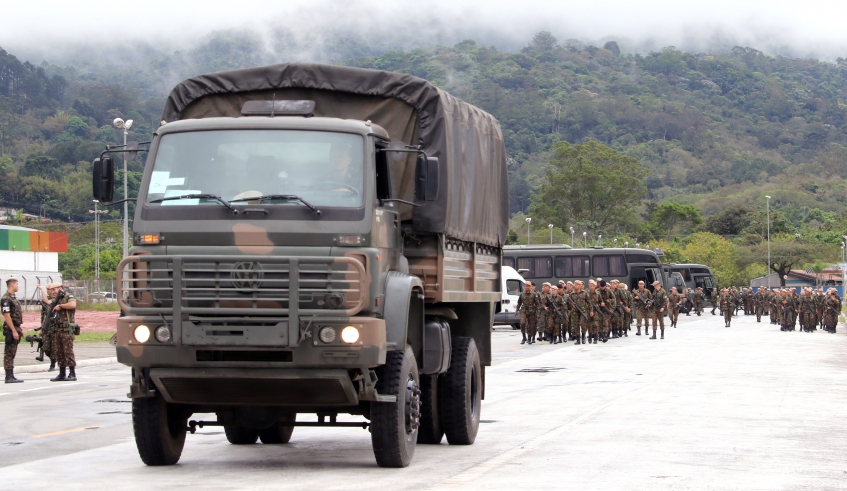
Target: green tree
(590,186)
(713,251)
(670,216)
(786,252)
(41,166)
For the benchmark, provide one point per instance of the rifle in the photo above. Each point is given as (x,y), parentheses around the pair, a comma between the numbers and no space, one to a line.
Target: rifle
(647,303)
(577,307)
(34,338)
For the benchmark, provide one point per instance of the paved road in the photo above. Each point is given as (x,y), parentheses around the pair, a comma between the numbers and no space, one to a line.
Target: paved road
(747,407)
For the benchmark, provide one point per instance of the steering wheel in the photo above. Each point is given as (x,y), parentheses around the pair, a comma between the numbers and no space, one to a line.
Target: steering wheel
(337,184)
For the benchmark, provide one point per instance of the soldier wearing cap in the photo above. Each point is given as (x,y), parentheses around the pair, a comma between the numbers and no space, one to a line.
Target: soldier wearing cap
(62,321)
(47,335)
(12,333)
(660,308)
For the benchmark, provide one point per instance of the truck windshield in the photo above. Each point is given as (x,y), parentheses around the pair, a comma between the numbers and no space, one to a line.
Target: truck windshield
(323,168)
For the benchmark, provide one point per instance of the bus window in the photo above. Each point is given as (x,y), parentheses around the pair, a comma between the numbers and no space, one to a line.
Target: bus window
(707,283)
(608,266)
(654,274)
(509,261)
(536,267)
(514,287)
(684,272)
(637,274)
(640,258)
(572,267)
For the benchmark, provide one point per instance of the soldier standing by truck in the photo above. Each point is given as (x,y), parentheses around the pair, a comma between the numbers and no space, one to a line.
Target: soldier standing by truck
(643,300)
(62,324)
(48,336)
(12,333)
(528,307)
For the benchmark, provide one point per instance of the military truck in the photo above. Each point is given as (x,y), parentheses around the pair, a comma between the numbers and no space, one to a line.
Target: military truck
(311,239)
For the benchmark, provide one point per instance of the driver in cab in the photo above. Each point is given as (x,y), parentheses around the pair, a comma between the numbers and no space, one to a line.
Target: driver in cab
(346,171)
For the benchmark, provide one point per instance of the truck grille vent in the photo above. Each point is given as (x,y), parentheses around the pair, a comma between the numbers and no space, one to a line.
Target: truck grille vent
(256,391)
(250,356)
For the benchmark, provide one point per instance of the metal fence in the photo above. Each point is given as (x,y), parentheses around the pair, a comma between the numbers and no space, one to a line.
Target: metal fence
(92,290)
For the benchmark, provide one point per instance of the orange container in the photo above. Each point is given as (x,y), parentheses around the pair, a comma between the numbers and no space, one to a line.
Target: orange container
(57,242)
(33,241)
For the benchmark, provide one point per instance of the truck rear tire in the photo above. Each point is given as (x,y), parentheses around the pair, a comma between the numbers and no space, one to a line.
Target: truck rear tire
(461,393)
(278,434)
(394,425)
(430,431)
(159,430)
(238,435)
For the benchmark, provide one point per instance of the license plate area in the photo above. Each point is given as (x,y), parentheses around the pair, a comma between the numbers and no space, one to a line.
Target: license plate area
(209,334)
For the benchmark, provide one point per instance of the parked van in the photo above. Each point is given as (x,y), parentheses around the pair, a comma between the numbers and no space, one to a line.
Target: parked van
(512,286)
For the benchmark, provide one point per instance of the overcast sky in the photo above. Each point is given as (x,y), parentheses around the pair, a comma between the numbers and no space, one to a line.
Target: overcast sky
(800,28)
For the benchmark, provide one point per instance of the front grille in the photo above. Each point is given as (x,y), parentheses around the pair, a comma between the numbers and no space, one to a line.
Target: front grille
(252,356)
(242,286)
(319,392)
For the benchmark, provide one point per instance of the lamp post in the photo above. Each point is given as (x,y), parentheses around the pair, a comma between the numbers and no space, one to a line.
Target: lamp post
(96,213)
(769,240)
(551,232)
(571,237)
(626,245)
(616,243)
(585,239)
(528,220)
(124,125)
(636,245)
(600,240)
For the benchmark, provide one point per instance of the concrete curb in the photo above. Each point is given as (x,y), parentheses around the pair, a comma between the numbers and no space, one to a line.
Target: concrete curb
(91,362)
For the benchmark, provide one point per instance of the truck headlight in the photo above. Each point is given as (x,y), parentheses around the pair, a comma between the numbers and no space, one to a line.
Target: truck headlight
(349,334)
(327,334)
(162,334)
(141,333)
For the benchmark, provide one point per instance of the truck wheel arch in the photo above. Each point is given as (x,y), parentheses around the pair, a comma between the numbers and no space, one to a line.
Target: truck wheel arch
(404,312)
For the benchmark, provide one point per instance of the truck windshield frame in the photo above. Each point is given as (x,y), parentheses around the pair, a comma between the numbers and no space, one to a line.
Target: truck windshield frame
(326,168)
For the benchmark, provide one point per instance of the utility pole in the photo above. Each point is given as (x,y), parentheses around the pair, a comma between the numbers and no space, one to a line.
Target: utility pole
(96,213)
(528,220)
(769,240)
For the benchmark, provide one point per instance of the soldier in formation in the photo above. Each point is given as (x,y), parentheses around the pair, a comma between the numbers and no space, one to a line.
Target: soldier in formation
(12,333)
(660,307)
(727,306)
(528,303)
(832,308)
(674,303)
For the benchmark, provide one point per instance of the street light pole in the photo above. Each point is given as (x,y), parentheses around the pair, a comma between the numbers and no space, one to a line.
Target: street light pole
(125,125)
(769,241)
(571,237)
(585,240)
(600,240)
(96,213)
(551,233)
(528,220)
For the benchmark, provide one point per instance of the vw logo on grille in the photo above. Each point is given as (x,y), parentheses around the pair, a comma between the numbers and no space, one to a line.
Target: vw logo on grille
(247,275)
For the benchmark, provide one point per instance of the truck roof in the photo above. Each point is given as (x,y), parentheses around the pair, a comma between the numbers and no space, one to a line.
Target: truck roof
(279,122)
(473,192)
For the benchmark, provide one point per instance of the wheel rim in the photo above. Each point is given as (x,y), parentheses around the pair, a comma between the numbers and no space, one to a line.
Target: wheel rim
(473,402)
(413,406)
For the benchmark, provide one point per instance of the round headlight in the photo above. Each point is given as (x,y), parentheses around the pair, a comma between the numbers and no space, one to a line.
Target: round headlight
(327,334)
(141,333)
(163,334)
(350,334)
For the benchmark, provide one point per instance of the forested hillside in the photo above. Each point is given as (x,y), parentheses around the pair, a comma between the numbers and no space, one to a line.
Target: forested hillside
(717,131)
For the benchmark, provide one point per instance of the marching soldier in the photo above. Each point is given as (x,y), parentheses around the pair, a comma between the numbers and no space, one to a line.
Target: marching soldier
(643,299)
(12,333)
(660,307)
(674,302)
(807,310)
(579,316)
(727,306)
(759,302)
(61,320)
(527,306)
(625,302)
(553,322)
(608,304)
(832,306)
(698,300)
(543,311)
(594,312)
(715,299)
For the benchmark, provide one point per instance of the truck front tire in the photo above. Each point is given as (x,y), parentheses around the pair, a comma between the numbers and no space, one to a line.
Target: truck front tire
(394,425)
(159,430)
(461,393)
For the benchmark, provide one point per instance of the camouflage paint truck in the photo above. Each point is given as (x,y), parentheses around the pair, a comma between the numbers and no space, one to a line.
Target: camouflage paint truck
(312,239)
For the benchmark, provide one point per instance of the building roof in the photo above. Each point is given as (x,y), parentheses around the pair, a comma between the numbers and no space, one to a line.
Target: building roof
(12,227)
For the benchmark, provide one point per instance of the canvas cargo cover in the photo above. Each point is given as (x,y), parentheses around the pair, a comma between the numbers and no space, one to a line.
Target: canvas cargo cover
(473,197)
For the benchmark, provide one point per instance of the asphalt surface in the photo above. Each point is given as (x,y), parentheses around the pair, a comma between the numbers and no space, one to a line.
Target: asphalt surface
(747,407)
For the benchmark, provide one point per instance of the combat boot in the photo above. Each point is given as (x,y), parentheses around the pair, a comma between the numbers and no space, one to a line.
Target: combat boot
(523,338)
(638,331)
(71,374)
(52,365)
(583,339)
(654,334)
(605,337)
(40,357)
(10,377)
(663,334)
(61,377)
(625,333)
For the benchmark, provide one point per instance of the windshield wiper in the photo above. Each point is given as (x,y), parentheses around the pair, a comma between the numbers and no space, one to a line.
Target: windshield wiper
(199,196)
(289,197)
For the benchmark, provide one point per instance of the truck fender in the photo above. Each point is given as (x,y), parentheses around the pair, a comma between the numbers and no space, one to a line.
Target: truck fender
(404,312)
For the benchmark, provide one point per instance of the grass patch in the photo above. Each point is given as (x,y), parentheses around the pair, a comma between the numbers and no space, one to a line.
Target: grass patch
(85,337)
(100,307)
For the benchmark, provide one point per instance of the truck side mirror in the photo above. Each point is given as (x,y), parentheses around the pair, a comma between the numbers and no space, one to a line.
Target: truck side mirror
(103,181)
(426,179)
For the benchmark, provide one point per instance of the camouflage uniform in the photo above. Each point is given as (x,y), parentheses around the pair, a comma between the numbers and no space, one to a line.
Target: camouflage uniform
(64,334)
(594,300)
(608,298)
(542,314)
(727,306)
(642,310)
(660,307)
(555,316)
(578,321)
(674,300)
(807,309)
(527,306)
(832,306)
(48,334)
(759,302)
(620,313)
(698,301)
(10,305)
